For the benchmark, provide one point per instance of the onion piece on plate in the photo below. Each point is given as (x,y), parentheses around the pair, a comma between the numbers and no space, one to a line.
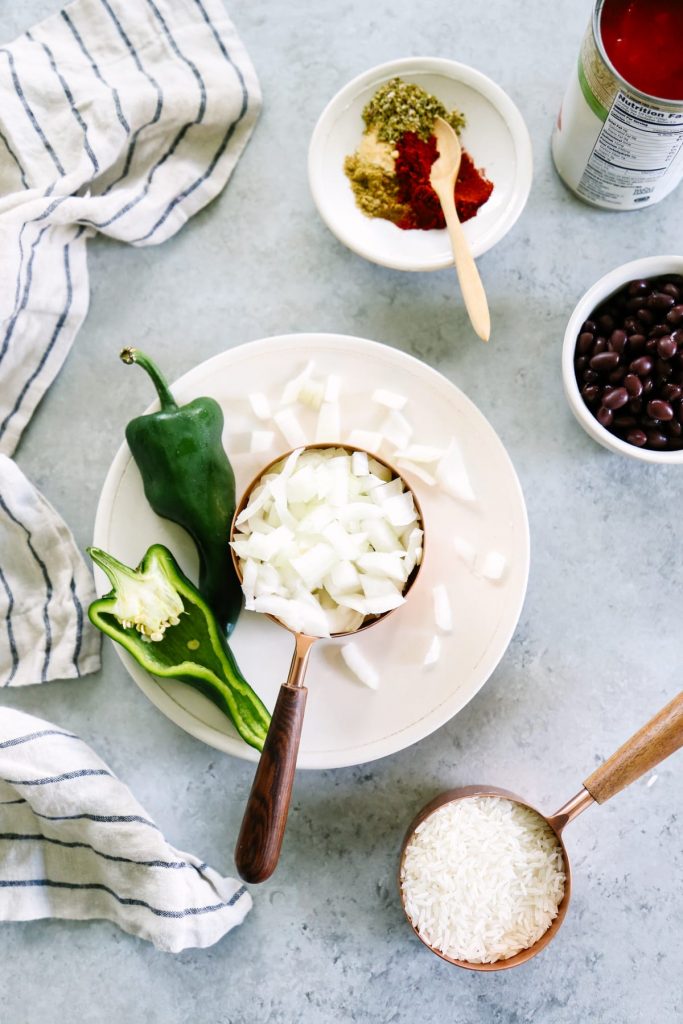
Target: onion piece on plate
(442,608)
(356,661)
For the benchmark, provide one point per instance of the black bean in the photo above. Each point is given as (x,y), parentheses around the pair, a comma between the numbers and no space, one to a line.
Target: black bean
(599,346)
(605,361)
(672,289)
(637,437)
(584,343)
(589,325)
(631,325)
(615,399)
(660,301)
(604,416)
(633,385)
(670,392)
(667,347)
(636,343)
(590,376)
(590,393)
(660,410)
(645,316)
(658,331)
(648,385)
(651,345)
(677,336)
(616,376)
(641,287)
(657,440)
(674,428)
(675,316)
(606,322)
(581,363)
(624,421)
(642,366)
(617,340)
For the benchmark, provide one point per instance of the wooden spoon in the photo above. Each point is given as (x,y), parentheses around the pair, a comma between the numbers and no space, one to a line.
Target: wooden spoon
(442,179)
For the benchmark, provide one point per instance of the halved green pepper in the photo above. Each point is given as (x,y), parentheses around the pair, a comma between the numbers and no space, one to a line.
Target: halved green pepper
(160,618)
(188,479)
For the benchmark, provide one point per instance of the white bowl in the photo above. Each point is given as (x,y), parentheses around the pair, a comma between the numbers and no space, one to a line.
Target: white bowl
(496,138)
(649,266)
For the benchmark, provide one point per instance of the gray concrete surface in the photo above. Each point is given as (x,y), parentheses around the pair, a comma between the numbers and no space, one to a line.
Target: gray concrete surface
(598,646)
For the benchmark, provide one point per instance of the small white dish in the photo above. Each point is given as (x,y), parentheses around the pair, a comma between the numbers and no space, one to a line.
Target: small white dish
(496,138)
(648,266)
(347,723)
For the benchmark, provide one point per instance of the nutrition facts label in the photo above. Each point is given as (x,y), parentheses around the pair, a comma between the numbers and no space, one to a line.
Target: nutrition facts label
(632,154)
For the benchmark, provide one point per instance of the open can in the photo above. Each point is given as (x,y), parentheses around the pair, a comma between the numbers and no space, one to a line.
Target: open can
(614,146)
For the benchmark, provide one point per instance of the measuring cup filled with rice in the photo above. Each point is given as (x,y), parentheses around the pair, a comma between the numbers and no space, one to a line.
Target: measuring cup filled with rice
(484,877)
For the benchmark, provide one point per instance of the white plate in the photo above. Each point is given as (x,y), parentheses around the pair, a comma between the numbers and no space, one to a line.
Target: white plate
(346,723)
(495,137)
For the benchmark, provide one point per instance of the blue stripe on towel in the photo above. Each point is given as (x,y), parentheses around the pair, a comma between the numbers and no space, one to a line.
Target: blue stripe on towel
(96,71)
(29,113)
(124,900)
(27,285)
(18,740)
(105,819)
(79,625)
(14,156)
(53,340)
(79,773)
(153,82)
(132,203)
(48,585)
(224,144)
(10,631)
(70,100)
(174,864)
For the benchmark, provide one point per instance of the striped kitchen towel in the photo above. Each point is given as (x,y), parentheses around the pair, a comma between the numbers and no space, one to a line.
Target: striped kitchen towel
(118,116)
(75,844)
(45,590)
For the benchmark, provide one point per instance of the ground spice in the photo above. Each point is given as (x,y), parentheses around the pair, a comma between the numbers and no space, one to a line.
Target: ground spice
(413,166)
(376,191)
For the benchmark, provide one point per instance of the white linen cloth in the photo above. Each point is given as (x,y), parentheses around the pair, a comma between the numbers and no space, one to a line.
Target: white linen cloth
(45,590)
(75,844)
(118,116)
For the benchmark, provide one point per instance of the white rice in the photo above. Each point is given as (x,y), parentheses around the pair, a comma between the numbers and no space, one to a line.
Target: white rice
(482,879)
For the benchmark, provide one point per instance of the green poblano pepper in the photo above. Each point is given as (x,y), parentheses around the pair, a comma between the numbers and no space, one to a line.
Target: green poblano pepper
(188,479)
(160,618)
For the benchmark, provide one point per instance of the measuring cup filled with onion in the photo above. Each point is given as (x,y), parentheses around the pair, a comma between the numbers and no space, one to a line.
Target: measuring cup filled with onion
(327,541)
(484,876)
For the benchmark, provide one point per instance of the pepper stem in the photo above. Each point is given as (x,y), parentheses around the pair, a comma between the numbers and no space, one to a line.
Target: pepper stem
(110,565)
(134,355)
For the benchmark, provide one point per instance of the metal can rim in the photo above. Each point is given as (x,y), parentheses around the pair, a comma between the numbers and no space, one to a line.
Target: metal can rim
(597,37)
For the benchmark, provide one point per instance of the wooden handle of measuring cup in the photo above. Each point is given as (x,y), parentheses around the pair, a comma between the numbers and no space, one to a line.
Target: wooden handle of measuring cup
(265,816)
(662,736)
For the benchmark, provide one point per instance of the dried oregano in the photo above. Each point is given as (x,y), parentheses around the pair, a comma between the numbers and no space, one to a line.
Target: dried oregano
(399,107)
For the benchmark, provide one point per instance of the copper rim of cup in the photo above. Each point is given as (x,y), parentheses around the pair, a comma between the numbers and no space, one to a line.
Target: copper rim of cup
(370,620)
(466,792)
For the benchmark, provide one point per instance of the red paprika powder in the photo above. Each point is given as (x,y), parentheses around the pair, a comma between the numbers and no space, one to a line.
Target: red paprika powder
(413,166)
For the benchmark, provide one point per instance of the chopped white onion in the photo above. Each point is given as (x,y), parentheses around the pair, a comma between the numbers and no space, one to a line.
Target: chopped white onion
(316,535)
(433,651)
(370,440)
(312,393)
(397,429)
(290,428)
(261,441)
(389,399)
(442,608)
(451,473)
(356,661)
(359,464)
(332,388)
(421,453)
(260,405)
(465,551)
(328,427)
(419,471)
(493,566)
(293,387)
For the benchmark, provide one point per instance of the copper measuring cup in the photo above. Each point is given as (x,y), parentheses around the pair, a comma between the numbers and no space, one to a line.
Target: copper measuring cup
(662,736)
(265,816)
